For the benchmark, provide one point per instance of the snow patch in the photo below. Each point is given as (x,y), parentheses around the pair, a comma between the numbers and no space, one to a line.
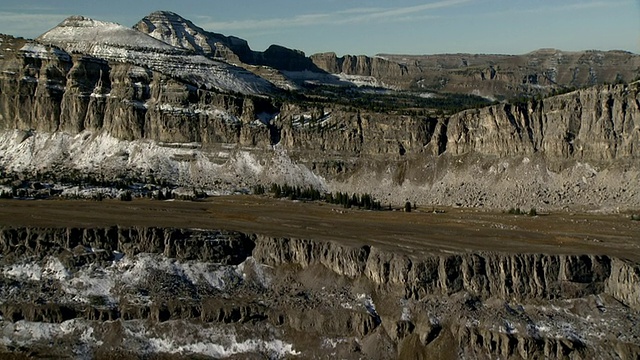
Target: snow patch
(39,51)
(184,165)
(217,343)
(368,304)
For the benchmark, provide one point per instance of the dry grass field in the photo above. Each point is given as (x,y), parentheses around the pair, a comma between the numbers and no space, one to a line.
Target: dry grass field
(421,231)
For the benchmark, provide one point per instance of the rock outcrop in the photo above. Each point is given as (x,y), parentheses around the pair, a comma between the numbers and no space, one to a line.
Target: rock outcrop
(496,76)
(46,89)
(597,124)
(389,72)
(319,297)
(519,276)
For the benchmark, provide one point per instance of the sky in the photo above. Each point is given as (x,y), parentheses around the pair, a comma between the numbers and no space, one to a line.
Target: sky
(369,27)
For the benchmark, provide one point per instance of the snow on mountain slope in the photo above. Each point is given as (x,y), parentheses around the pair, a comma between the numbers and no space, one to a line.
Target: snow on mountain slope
(180,32)
(83,35)
(104,154)
(115,42)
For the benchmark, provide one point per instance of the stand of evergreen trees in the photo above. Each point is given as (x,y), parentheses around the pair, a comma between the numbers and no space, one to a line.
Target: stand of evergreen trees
(362,201)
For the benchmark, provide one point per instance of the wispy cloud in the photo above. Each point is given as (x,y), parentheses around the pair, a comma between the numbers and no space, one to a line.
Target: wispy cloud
(354,15)
(593,5)
(575,6)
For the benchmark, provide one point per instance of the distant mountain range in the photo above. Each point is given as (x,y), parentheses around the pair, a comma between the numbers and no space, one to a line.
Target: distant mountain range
(493,76)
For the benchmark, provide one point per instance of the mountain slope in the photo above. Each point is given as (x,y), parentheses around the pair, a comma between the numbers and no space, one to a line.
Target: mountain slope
(173,29)
(178,31)
(114,42)
(86,35)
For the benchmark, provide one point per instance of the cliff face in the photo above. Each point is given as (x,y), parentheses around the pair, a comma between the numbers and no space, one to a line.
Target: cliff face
(600,123)
(284,296)
(47,90)
(519,276)
(389,72)
(494,76)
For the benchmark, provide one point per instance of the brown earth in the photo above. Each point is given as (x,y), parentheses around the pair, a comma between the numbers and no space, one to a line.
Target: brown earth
(421,231)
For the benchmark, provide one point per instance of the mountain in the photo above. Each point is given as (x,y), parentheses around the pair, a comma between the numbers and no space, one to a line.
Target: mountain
(500,77)
(173,29)
(113,42)
(105,90)
(233,140)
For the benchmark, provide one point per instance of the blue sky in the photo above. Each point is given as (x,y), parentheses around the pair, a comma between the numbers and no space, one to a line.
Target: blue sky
(370,26)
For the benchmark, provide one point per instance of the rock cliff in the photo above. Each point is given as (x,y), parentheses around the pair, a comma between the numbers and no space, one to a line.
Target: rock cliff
(46,89)
(495,76)
(310,297)
(596,124)
(577,148)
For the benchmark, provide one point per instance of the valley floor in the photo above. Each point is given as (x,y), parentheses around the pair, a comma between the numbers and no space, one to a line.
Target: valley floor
(424,229)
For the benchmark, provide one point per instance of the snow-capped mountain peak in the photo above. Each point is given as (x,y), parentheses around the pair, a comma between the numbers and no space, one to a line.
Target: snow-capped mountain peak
(116,43)
(83,34)
(173,29)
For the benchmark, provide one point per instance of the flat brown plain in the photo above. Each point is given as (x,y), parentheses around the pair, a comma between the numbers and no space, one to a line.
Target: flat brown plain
(421,231)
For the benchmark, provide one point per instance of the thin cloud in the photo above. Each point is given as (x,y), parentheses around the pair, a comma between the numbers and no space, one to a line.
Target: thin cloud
(336,18)
(575,6)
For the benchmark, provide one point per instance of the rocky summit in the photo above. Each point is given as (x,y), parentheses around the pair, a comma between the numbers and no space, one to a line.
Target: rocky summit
(168,110)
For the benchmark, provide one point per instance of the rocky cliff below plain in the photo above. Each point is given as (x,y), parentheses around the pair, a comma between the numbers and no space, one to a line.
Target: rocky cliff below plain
(122,290)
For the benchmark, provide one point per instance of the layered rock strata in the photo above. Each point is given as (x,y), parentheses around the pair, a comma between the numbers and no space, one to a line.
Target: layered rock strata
(317,297)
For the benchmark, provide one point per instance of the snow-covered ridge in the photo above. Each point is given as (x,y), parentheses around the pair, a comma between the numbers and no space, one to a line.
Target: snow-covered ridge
(81,34)
(39,51)
(115,42)
(179,32)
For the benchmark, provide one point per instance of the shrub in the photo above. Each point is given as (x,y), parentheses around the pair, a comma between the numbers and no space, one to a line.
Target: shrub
(126,196)
(259,189)
(635,217)
(518,211)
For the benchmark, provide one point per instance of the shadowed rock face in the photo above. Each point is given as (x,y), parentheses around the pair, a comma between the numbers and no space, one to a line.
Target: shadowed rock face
(318,297)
